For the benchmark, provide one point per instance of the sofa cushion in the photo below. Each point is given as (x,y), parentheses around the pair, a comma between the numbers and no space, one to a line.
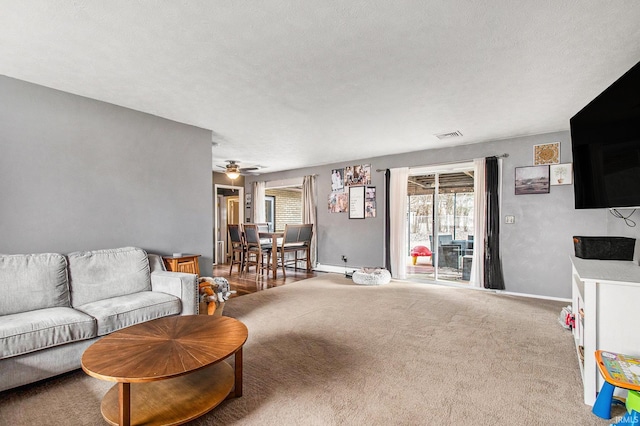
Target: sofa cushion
(26,332)
(32,281)
(156,263)
(122,311)
(103,274)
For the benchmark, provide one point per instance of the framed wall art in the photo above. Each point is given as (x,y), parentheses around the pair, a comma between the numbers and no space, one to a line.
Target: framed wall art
(337,180)
(371,193)
(548,153)
(357,175)
(532,180)
(338,202)
(561,174)
(370,208)
(370,202)
(356,202)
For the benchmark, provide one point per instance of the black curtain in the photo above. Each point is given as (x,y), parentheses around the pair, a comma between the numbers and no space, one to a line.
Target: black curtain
(387,222)
(493,277)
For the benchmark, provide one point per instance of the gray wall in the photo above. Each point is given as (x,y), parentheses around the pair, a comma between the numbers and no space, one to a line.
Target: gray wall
(79,174)
(535,249)
(619,228)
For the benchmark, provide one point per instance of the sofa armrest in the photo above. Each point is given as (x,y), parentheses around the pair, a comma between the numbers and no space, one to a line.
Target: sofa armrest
(181,285)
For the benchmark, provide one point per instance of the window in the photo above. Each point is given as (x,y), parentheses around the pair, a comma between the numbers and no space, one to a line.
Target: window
(270,211)
(287,202)
(286,206)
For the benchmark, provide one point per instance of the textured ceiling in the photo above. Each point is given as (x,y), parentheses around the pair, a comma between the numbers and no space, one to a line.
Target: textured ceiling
(288,84)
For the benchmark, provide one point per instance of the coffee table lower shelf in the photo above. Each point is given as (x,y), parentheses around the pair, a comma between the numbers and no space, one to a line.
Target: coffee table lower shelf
(173,401)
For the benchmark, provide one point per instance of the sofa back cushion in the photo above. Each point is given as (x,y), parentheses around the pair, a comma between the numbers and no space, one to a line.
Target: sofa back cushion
(102,274)
(33,281)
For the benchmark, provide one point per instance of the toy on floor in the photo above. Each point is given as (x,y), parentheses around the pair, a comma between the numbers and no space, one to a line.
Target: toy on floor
(632,416)
(214,292)
(618,371)
(419,251)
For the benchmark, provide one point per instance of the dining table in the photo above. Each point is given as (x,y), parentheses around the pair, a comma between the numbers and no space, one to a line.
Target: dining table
(273,236)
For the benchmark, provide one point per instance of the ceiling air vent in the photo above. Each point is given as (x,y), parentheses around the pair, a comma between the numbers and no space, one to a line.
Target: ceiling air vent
(449,135)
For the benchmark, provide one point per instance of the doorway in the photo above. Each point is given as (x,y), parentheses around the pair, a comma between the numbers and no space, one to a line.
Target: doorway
(441,223)
(228,210)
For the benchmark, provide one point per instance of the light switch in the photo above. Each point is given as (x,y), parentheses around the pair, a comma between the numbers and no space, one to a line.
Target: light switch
(509,219)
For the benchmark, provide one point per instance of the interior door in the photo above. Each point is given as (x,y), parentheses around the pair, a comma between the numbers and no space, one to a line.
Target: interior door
(233,218)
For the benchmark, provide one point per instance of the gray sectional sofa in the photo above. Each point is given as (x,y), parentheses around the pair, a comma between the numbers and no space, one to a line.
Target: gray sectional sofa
(52,307)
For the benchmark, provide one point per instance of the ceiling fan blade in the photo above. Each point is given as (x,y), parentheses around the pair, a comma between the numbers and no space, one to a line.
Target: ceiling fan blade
(233,166)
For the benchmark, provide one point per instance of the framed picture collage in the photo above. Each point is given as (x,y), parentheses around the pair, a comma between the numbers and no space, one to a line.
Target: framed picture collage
(351,192)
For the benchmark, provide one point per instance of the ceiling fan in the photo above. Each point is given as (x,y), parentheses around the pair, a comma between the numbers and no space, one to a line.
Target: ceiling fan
(233,169)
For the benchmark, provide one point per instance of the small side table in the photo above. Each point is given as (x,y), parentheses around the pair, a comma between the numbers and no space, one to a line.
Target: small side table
(618,371)
(187,263)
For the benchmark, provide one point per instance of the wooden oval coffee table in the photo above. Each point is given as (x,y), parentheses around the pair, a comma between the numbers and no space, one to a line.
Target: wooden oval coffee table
(169,370)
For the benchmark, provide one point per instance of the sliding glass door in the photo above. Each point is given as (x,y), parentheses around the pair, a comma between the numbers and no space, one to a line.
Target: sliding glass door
(441,228)
(421,225)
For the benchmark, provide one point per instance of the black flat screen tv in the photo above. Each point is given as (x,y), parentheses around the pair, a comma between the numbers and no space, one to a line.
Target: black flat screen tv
(605,141)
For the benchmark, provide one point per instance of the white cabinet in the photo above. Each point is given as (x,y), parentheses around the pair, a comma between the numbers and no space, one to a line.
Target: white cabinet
(608,293)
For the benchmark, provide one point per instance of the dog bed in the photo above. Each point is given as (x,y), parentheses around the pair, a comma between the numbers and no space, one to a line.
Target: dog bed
(371,276)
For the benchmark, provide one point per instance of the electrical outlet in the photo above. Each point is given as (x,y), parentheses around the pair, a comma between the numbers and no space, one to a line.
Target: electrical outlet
(509,219)
(344,258)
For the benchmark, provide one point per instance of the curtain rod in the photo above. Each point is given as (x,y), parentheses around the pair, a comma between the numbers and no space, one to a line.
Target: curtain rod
(504,155)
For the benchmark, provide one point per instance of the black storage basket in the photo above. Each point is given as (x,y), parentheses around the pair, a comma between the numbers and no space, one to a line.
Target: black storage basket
(604,248)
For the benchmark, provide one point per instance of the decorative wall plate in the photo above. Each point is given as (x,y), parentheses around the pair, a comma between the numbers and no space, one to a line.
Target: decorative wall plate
(548,153)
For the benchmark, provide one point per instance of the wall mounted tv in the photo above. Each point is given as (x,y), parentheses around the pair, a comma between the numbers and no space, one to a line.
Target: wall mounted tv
(605,139)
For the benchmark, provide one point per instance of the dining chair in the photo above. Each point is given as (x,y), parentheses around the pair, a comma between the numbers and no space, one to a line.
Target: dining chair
(238,248)
(296,238)
(306,233)
(263,227)
(256,250)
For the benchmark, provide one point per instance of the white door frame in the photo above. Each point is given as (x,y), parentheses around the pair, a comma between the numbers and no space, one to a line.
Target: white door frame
(216,225)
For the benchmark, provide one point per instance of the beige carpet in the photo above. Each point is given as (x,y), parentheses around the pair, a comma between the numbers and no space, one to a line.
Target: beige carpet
(327,352)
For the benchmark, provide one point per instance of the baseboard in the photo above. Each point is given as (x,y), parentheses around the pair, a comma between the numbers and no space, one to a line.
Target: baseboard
(335,269)
(532,296)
